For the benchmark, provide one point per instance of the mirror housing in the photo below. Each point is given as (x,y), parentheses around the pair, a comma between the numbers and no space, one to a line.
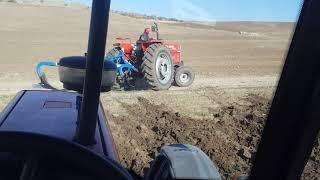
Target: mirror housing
(154,28)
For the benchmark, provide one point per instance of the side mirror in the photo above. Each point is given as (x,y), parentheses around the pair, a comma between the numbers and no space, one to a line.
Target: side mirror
(154,28)
(182,161)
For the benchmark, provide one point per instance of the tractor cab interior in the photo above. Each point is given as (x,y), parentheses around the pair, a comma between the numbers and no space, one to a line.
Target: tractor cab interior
(30,156)
(64,134)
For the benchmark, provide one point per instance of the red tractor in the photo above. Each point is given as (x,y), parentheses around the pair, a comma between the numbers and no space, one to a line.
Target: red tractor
(159,63)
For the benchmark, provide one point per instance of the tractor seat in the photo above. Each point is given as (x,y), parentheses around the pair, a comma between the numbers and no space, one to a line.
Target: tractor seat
(79,62)
(72,73)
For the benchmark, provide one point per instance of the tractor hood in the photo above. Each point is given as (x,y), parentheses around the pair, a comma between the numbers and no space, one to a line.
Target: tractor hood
(54,113)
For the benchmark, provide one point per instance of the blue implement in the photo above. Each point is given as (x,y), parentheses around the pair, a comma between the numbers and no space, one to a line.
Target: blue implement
(44,63)
(44,83)
(122,63)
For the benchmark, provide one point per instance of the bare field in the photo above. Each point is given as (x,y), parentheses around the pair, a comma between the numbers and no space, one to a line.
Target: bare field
(237,65)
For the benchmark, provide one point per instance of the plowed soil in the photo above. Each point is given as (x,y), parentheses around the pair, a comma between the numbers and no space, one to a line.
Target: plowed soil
(229,135)
(228,132)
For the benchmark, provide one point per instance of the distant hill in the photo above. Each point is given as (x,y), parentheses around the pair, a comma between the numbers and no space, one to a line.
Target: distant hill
(66,3)
(38,2)
(144,16)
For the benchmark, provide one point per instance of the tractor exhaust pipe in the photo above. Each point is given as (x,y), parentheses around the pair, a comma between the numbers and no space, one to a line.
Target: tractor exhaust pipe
(87,119)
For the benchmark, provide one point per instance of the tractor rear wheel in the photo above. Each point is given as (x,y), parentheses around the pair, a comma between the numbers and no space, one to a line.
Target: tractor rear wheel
(184,76)
(157,67)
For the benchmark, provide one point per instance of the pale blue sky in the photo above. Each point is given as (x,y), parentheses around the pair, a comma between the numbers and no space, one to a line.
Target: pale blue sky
(212,10)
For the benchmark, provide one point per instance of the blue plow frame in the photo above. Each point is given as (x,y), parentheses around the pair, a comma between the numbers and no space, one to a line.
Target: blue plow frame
(122,64)
(44,63)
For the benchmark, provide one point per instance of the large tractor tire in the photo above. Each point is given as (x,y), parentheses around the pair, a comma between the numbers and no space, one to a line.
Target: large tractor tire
(184,76)
(157,67)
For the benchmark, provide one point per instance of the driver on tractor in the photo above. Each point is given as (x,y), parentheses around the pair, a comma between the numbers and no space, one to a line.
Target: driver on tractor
(145,35)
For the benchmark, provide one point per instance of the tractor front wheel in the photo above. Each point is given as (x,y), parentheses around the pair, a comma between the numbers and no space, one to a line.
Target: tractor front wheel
(184,76)
(157,67)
